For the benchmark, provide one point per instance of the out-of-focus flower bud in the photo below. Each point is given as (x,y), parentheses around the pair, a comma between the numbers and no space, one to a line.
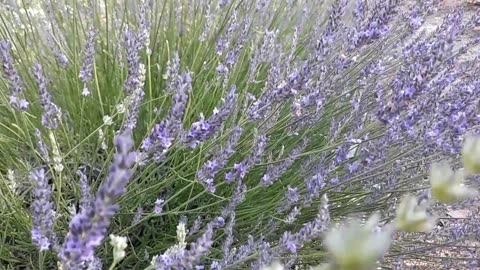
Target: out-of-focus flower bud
(447,185)
(413,217)
(274,266)
(358,247)
(471,154)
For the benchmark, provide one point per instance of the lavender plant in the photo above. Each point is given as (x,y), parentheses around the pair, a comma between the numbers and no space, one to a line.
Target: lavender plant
(236,134)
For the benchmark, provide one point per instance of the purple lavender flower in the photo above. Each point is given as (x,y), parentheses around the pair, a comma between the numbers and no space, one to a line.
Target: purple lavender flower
(208,22)
(198,132)
(222,3)
(359,11)
(160,137)
(278,88)
(158,206)
(144,26)
(228,241)
(291,242)
(188,259)
(202,130)
(43,213)
(135,101)
(274,172)
(423,104)
(94,264)
(86,198)
(240,170)
(62,59)
(11,75)
(314,185)
(232,55)
(263,54)
(374,27)
(292,195)
(226,39)
(51,112)
(222,70)
(88,228)
(138,215)
(172,72)
(209,170)
(163,134)
(196,226)
(133,45)
(237,197)
(265,257)
(292,216)
(242,252)
(180,98)
(42,147)
(86,71)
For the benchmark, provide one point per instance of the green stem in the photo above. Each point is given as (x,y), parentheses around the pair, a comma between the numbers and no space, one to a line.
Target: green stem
(40,260)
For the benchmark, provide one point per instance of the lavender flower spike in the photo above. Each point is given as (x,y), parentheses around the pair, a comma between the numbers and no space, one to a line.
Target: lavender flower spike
(43,213)
(133,45)
(42,147)
(274,172)
(86,72)
(188,259)
(11,75)
(210,168)
(291,242)
(51,112)
(86,198)
(163,134)
(202,130)
(240,170)
(88,228)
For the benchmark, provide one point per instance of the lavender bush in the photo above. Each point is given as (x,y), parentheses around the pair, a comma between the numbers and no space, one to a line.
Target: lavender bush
(237,134)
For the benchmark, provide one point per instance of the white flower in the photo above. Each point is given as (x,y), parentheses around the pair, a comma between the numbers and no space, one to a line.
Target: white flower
(181,244)
(107,120)
(356,246)
(119,244)
(181,233)
(85,92)
(154,260)
(274,266)
(57,158)
(447,185)
(121,108)
(141,72)
(101,139)
(12,184)
(412,217)
(471,154)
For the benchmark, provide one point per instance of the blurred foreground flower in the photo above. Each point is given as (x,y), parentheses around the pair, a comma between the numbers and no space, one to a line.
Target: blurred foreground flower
(447,185)
(87,229)
(357,247)
(471,154)
(119,244)
(412,217)
(274,266)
